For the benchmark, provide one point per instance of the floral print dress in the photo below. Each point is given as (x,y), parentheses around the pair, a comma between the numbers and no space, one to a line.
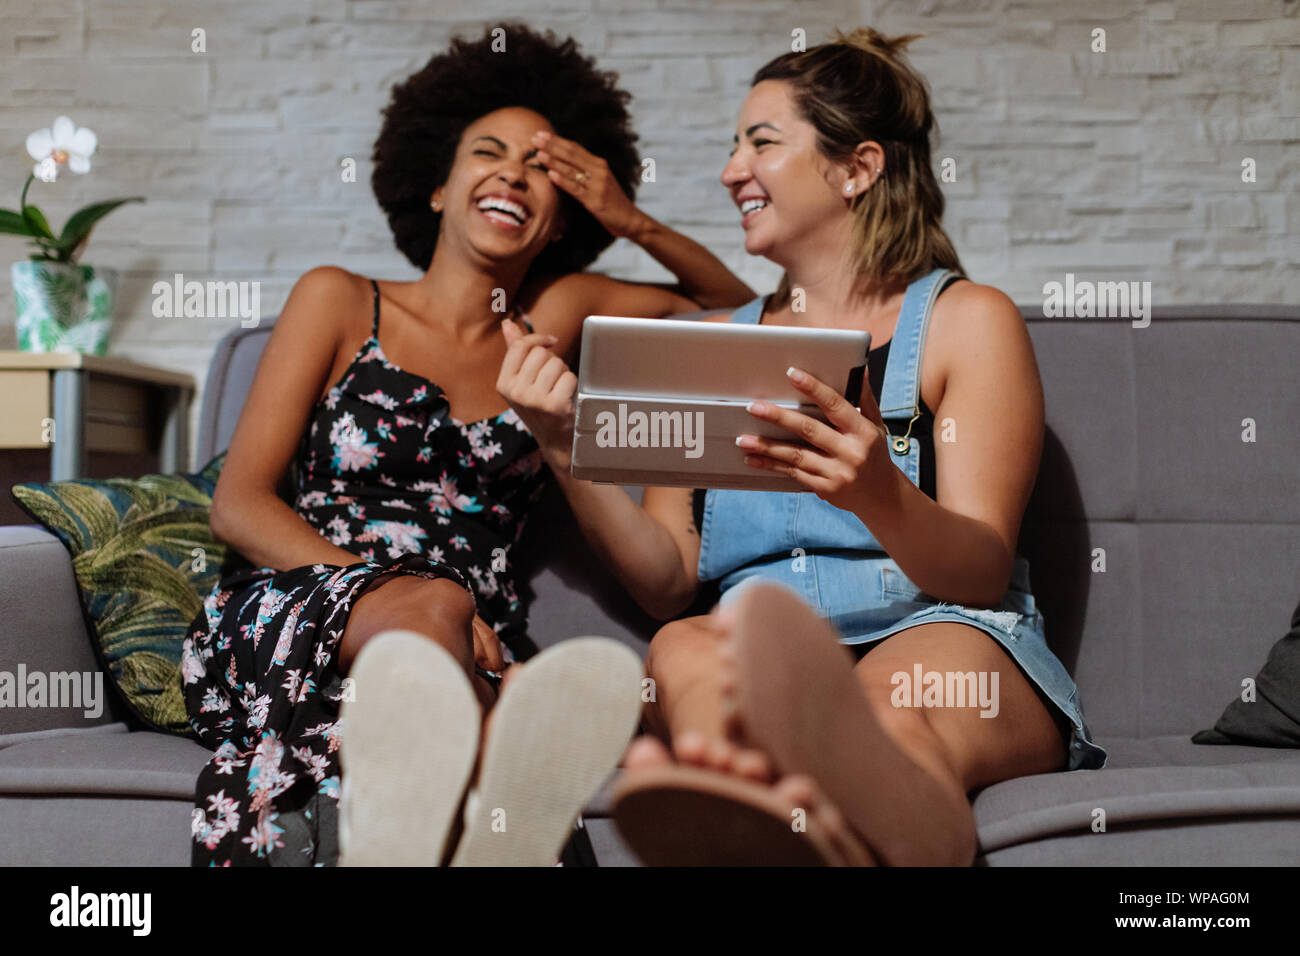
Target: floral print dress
(385,472)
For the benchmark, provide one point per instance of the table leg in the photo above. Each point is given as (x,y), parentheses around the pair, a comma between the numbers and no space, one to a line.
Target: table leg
(67,457)
(174,455)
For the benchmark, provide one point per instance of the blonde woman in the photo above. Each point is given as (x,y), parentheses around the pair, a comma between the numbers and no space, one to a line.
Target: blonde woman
(790,735)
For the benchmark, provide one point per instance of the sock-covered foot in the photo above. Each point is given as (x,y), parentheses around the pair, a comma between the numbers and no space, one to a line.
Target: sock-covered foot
(556,734)
(409,737)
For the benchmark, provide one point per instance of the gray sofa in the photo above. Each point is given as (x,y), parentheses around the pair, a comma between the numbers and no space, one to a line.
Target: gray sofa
(1144,459)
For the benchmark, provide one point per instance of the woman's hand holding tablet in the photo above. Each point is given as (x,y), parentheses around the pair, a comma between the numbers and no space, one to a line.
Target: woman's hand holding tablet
(849,450)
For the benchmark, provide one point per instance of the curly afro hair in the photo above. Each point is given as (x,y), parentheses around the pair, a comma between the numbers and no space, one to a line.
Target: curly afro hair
(430,110)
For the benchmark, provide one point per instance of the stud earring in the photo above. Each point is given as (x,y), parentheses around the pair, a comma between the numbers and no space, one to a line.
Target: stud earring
(848,188)
(436,206)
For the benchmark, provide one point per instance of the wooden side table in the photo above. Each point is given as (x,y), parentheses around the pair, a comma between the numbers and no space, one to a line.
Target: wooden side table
(73,403)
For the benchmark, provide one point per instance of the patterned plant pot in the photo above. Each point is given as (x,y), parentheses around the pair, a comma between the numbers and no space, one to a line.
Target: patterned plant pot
(63,307)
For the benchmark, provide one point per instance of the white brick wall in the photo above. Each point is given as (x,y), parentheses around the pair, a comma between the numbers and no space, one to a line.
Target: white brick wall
(1126,163)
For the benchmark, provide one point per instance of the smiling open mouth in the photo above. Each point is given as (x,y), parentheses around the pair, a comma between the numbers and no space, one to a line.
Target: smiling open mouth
(503,212)
(749,208)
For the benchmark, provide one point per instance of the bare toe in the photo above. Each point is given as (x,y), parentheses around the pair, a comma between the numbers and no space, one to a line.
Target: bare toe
(721,755)
(752,765)
(691,747)
(646,751)
(799,791)
(709,753)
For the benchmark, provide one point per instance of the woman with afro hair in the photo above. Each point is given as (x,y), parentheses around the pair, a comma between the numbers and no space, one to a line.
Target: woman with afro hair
(357,651)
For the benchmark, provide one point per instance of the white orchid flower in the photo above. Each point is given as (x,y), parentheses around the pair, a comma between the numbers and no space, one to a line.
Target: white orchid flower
(62,144)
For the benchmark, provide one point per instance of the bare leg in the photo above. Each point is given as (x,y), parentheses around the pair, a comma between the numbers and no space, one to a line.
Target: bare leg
(899,775)
(690,707)
(691,713)
(440,609)
(684,664)
(976,750)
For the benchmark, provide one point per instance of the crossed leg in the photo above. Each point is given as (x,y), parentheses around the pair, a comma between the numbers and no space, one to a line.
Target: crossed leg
(439,609)
(900,776)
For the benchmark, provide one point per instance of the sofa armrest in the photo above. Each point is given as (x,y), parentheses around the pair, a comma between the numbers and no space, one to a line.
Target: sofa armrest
(42,631)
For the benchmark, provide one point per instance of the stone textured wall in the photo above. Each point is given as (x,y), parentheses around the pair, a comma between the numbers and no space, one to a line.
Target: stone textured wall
(1122,165)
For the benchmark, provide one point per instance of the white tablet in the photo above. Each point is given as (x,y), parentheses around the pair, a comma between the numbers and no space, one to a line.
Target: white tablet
(661,401)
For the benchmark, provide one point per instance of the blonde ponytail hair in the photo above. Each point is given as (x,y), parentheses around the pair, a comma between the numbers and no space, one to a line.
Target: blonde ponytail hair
(858,87)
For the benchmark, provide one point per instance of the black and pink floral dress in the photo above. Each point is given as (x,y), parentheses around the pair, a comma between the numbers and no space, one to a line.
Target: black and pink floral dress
(385,472)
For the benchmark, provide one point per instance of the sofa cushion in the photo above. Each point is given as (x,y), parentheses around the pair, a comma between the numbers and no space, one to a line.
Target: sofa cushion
(110,759)
(1088,616)
(72,797)
(42,627)
(91,830)
(144,557)
(1198,458)
(1088,466)
(1214,597)
(568,591)
(1218,842)
(1149,785)
(1149,781)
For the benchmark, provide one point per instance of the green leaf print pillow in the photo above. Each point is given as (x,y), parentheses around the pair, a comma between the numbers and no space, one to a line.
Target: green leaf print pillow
(144,559)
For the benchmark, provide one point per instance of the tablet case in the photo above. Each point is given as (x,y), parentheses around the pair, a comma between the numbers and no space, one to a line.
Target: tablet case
(641,421)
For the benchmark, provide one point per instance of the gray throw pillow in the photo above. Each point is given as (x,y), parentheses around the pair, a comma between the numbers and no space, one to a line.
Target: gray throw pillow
(1272,719)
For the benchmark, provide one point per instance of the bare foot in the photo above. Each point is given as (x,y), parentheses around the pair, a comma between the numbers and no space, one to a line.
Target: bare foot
(646,751)
(801,793)
(674,814)
(791,693)
(694,749)
(795,801)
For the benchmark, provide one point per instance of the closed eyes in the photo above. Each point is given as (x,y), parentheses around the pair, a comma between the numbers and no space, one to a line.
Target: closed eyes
(488,152)
(757,143)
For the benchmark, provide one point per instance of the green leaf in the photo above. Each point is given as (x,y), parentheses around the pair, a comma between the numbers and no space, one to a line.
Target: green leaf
(50,512)
(48,250)
(137,573)
(36,219)
(13,224)
(154,685)
(79,225)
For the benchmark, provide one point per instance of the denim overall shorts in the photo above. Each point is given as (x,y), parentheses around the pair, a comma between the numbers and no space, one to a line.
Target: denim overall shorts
(830,559)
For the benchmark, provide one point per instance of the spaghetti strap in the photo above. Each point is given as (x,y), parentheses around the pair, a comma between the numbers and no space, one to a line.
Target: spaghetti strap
(374,328)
